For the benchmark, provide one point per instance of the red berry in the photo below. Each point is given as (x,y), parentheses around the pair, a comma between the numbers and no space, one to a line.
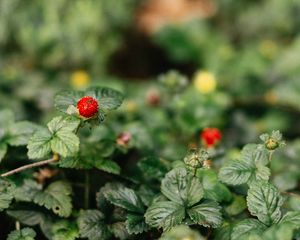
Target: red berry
(87,106)
(211,136)
(124,138)
(153,97)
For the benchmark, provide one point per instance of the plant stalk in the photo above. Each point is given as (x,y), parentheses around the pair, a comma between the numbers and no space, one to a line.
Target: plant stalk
(32,165)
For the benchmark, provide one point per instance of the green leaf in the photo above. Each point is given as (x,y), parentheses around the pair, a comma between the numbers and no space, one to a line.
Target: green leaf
(135,223)
(64,230)
(108,98)
(251,166)
(224,232)
(237,206)
(3,150)
(108,166)
(264,202)
(206,214)
(280,232)
(91,225)
(59,138)
(213,189)
(165,214)
(123,197)
(181,232)
(63,123)
(146,194)
(27,217)
(119,230)
(65,143)
(76,162)
(64,99)
(246,228)
(23,234)
(6,118)
(7,189)
(56,197)
(27,191)
(39,145)
(236,172)
(182,187)
(292,218)
(152,167)
(20,133)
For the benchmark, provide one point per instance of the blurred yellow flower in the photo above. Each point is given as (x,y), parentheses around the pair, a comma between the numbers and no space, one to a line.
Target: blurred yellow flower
(268,48)
(80,79)
(130,106)
(187,238)
(205,82)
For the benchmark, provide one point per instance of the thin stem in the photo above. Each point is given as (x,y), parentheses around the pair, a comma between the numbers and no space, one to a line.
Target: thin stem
(87,190)
(32,165)
(18,227)
(291,194)
(270,155)
(195,172)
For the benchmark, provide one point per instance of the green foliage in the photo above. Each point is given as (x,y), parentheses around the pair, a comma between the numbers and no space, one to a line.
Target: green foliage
(91,225)
(64,230)
(165,214)
(264,202)
(58,138)
(181,232)
(108,99)
(206,214)
(247,229)
(184,191)
(7,189)
(13,133)
(23,234)
(55,197)
(251,166)
(182,187)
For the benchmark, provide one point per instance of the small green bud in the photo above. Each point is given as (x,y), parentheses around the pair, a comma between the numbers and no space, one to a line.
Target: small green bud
(273,141)
(196,157)
(271,144)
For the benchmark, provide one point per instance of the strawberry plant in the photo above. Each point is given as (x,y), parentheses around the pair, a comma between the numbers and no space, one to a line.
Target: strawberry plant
(84,190)
(93,146)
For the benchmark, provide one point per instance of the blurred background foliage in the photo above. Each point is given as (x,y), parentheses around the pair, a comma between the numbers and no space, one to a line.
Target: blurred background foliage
(236,67)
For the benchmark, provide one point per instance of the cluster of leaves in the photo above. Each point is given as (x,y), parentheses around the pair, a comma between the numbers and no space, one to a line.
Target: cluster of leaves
(130,176)
(160,195)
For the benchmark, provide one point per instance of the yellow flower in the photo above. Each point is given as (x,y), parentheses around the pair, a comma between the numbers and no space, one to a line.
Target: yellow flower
(268,48)
(80,79)
(130,106)
(205,82)
(187,238)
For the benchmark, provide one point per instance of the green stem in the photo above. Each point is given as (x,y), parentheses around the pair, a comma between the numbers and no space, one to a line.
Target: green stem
(270,155)
(87,189)
(195,171)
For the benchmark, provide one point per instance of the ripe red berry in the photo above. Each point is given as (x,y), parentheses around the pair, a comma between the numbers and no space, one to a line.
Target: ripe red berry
(211,136)
(87,106)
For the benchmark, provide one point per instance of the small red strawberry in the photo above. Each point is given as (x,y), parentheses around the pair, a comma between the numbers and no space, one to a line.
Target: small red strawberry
(87,106)
(211,136)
